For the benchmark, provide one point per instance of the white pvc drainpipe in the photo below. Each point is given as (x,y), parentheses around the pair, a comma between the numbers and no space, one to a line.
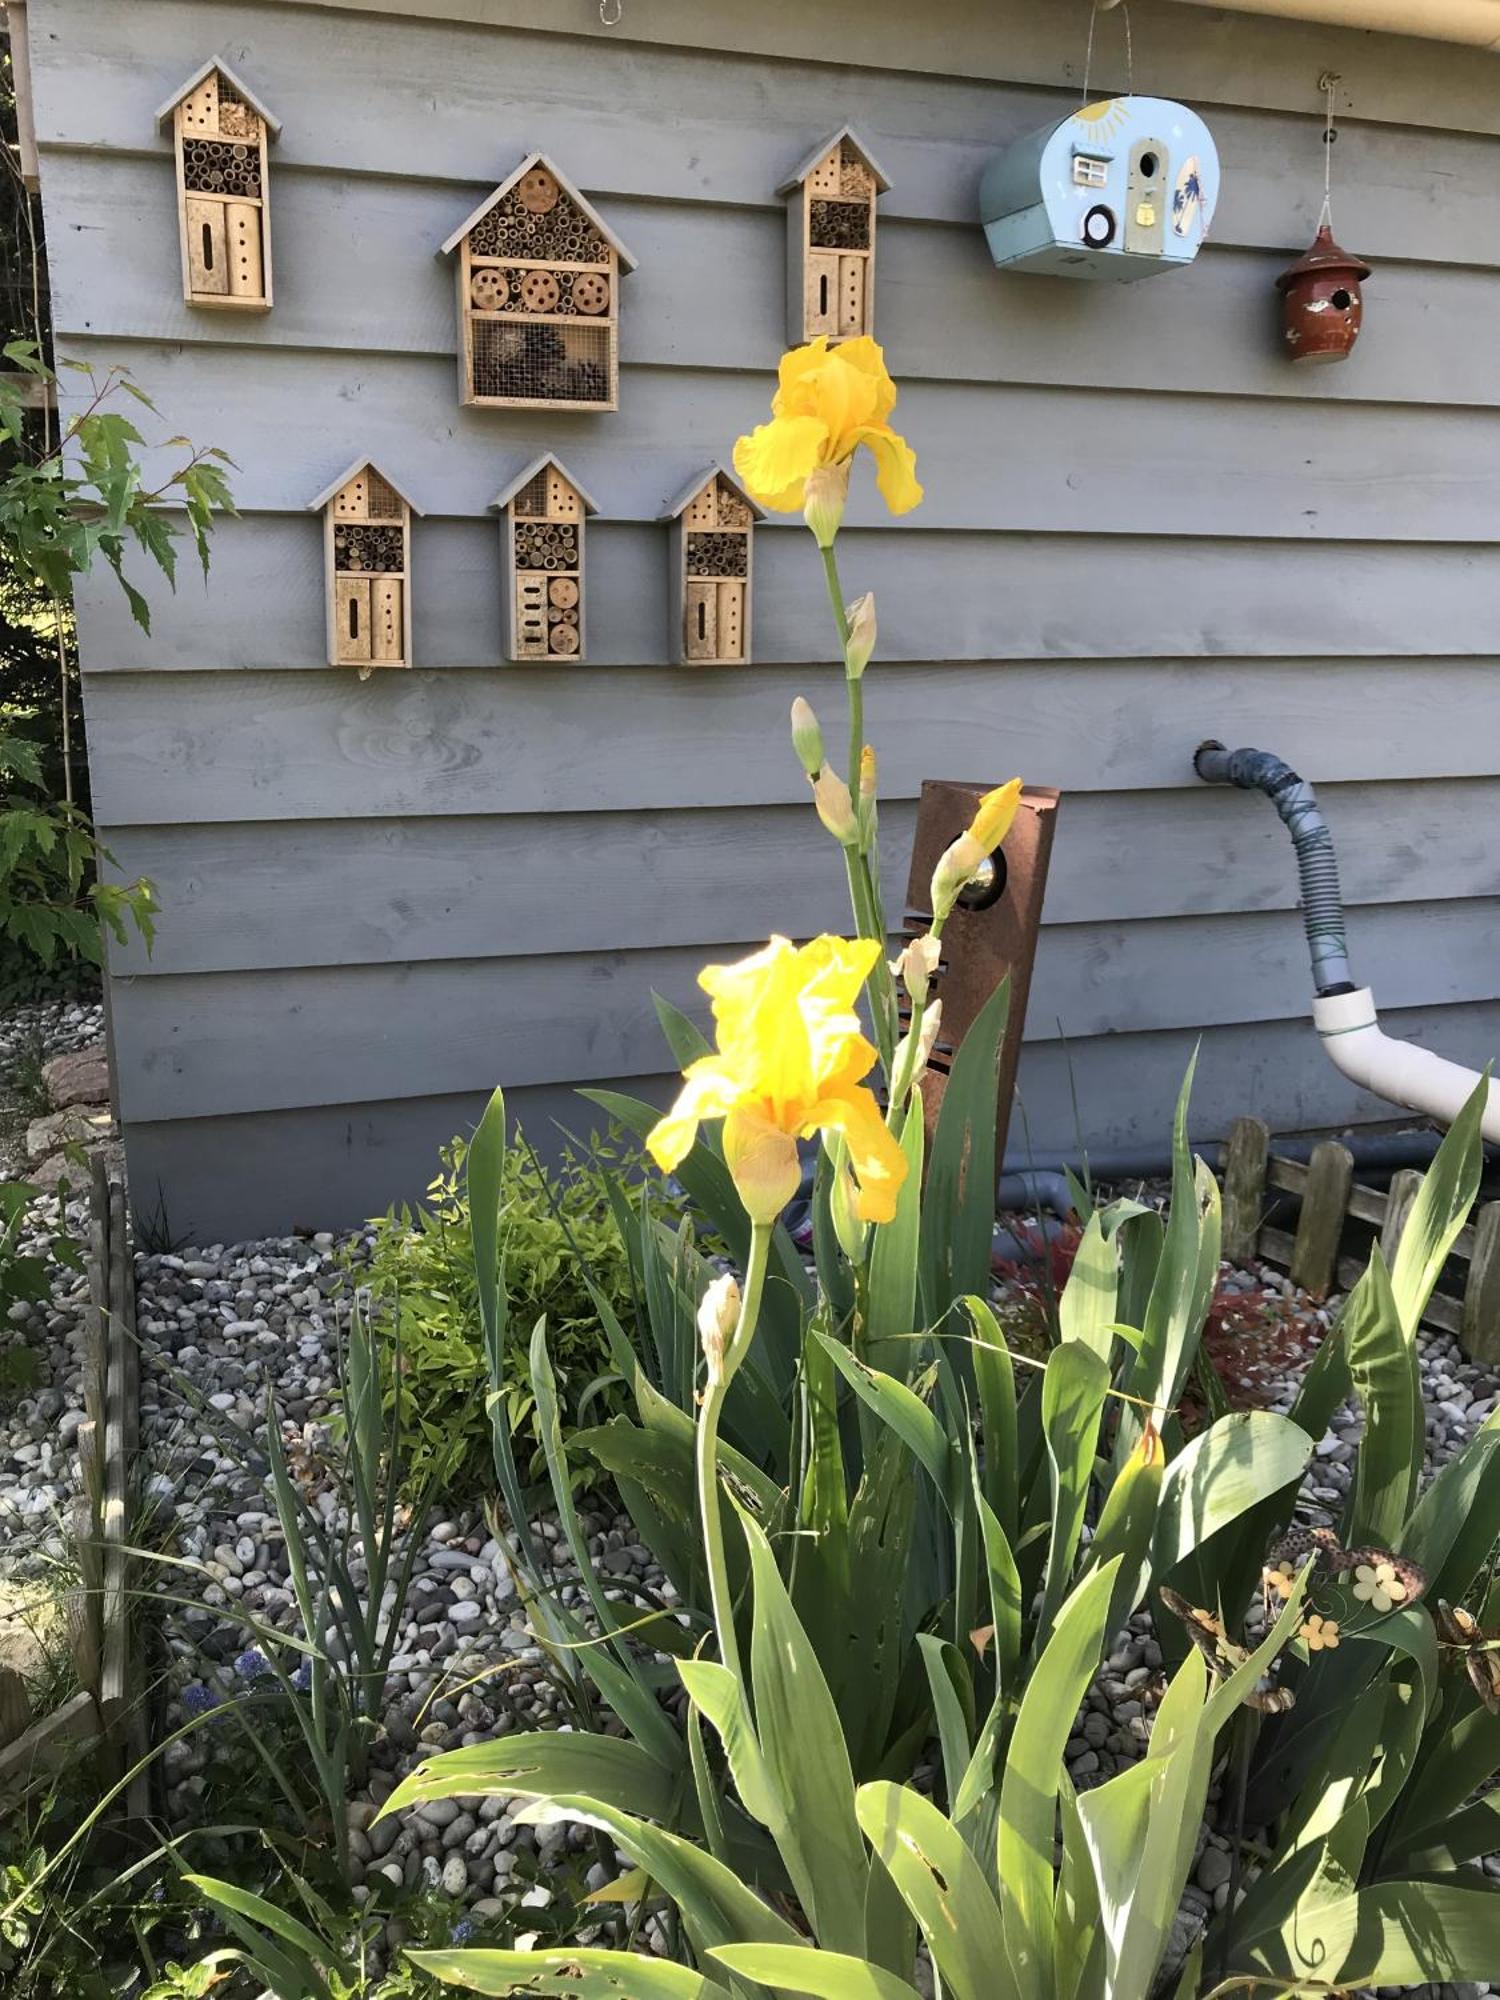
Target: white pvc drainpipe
(1343,1014)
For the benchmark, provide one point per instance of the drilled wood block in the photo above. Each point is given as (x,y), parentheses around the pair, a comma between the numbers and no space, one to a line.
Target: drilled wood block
(242,234)
(851,295)
(207,249)
(821,294)
(730,619)
(702,630)
(385,620)
(352,616)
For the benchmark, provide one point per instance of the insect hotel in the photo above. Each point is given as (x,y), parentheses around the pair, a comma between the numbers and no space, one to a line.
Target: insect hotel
(367,558)
(830,240)
(538,275)
(542,516)
(220,132)
(713,519)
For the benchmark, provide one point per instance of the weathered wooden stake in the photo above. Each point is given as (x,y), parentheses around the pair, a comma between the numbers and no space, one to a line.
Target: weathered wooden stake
(1244,1187)
(15,1708)
(1315,1255)
(1479,1332)
(1405,1187)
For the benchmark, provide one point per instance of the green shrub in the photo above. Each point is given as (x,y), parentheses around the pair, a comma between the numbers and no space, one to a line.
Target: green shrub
(560,1232)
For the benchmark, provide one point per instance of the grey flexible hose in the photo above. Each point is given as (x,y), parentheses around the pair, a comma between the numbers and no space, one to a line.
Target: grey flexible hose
(1317,865)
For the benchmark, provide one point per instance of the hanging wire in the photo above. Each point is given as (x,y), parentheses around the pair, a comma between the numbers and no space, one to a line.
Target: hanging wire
(1328,83)
(1095,8)
(610,12)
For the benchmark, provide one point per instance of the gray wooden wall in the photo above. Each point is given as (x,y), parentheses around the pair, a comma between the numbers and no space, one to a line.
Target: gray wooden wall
(1142,528)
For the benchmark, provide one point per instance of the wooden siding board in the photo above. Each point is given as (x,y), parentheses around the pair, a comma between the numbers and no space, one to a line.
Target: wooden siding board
(1094,461)
(966,599)
(326,1165)
(259,747)
(731,79)
(206,1044)
(330,225)
(238,898)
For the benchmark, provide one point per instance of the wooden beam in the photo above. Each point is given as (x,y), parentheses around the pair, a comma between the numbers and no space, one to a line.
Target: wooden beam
(1244,1187)
(1320,1226)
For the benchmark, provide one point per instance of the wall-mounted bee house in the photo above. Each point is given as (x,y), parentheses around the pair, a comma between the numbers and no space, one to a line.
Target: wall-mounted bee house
(830,242)
(538,275)
(713,521)
(220,133)
(542,515)
(367,557)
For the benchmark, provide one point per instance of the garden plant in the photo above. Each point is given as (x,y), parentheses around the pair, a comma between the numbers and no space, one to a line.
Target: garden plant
(899,1550)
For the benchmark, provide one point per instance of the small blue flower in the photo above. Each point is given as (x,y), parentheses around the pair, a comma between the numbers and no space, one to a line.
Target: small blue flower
(462,1931)
(198,1699)
(252,1664)
(302,1679)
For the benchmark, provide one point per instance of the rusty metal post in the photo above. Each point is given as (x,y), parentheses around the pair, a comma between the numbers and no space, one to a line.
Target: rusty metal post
(981,946)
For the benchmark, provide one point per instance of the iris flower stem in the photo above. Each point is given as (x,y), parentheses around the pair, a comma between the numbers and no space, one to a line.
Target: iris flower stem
(708,1446)
(869,917)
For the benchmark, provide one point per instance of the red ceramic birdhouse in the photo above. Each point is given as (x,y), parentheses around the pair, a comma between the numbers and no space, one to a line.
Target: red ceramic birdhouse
(1321,305)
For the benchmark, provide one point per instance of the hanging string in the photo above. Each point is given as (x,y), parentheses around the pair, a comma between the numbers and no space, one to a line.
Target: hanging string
(1096,6)
(1330,84)
(610,12)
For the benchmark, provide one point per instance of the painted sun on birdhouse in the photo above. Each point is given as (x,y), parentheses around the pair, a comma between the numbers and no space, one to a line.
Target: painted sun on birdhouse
(367,557)
(713,521)
(830,244)
(220,132)
(542,515)
(1119,190)
(538,275)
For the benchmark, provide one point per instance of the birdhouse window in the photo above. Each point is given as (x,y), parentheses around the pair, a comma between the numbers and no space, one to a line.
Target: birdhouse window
(1090,171)
(220,135)
(713,522)
(831,247)
(543,518)
(367,539)
(538,297)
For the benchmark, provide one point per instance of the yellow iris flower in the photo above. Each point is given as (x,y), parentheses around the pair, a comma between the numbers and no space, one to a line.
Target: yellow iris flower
(829,401)
(984,833)
(789,1063)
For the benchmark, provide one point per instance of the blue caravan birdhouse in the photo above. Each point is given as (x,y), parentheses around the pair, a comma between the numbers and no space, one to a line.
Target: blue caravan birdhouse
(1118,190)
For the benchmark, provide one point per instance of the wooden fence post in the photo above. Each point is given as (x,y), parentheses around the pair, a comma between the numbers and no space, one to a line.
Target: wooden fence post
(1320,1227)
(1244,1187)
(1479,1332)
(1405,1187)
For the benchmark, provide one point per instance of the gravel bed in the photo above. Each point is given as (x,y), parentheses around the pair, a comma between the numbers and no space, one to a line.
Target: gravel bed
(239,1321)
(30,1036)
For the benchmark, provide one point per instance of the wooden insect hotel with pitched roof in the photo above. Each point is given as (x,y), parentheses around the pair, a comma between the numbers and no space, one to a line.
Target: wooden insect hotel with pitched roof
(538,275)
(713,520)
(367,566)
(220,133)
(830,240)
(542,516)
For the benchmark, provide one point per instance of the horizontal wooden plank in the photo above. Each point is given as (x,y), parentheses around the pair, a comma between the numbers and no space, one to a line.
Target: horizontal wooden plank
(256,896)
(993,456)
(222,1179)
(201,1044)
(254,747)
(974,597)
(1216,330)
(789,62)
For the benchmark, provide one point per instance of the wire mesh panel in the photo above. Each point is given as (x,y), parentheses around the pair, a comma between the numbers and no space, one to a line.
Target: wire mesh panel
(542,362)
